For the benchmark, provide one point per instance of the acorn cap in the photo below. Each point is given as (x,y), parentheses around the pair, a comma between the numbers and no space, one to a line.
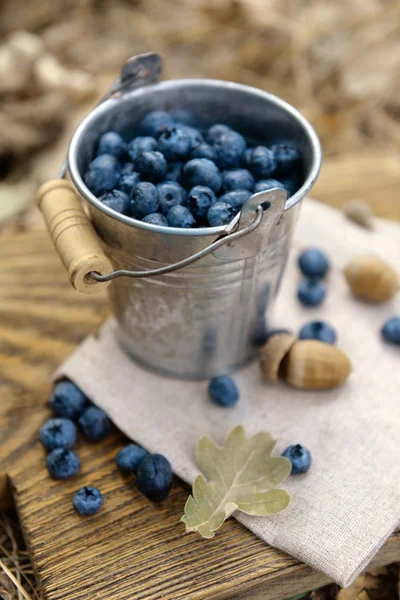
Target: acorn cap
(314,365)
(272,354)
(371,278)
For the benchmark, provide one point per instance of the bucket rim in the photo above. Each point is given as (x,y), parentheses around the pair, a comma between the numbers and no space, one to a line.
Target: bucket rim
(104,107)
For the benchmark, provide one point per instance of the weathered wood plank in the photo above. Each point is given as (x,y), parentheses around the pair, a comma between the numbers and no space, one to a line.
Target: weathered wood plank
(131,550)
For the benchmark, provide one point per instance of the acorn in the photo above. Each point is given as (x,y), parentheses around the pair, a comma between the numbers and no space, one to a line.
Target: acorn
(304,364)
(360,212)
(272,354)
(371,278)
(314,365)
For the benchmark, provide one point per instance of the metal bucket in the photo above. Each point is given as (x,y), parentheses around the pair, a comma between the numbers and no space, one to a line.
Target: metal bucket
(206,318)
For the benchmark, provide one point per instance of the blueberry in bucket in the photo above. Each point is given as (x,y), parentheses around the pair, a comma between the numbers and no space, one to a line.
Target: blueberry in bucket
(201,171)
(180,216)
(200,200)
(237,179)
(175,144)
(152,166)
(220,213)
(144,200)
(155,122)
(117,200)
(103,174)
(156,219)
(111,143)
(170,194)
(141,144)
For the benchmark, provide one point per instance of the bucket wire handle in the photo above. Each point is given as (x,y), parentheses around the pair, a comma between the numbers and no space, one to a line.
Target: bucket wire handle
(76,240)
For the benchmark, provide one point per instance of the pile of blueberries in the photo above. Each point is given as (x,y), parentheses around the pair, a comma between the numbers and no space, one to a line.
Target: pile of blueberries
(60,434)
(175,175)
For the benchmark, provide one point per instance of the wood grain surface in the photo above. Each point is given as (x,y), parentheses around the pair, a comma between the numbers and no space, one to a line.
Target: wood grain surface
(131,550)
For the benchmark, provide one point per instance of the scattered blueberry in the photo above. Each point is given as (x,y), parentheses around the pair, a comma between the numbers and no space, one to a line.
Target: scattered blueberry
(68,401)
(200,200)
(318,330)
(170,194)
(144,200)
(235,198)
(230,147)
(195,135)
(141,144)
(155,122)
(174,172)
(175,144)
(127,182)
(262,162)
(111,143)
(156,219)
(152,166)
(95,424)
(117,200)
(314,263)
(287,157)
(223,391)
(180,216)
(62,463)
(216,131)
(129,458)
(267,184)
(311,291)
(201,171)
(103,174)
(58,433)
(154,477)
(220,213)
(237,179)
(204,151)
(391,331)
(87,501)
(300,458)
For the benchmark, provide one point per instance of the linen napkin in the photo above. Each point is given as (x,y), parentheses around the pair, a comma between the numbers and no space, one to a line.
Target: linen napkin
(348,503)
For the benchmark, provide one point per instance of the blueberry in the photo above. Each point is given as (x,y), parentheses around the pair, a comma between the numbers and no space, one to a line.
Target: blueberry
(87,501)
(174,172)
(156,219)
(291,184)
(200,200)
(195,135)
(318,330)
(127,182)
(236,198)
(68,401)
(246,158)
(129,458)
(62,463)
(237,179)
(95,424)
(204,151)
(154,477)
(103,174)
(230,147)
(180,216)
(220,213)
(127,168)
(174,143)
(287,157)
(313,263)
(300,458)
(58,433)
(216,131)
(152,166)
(155,123)
(144,200)
(141,144)
(117,200)
(391,331)
(262,162)
(201,171)
(311,291)
(223,391)
(267,184)
(111,143)
(170,194)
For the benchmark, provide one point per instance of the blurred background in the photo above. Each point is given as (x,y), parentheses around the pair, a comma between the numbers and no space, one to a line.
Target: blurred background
(337,62)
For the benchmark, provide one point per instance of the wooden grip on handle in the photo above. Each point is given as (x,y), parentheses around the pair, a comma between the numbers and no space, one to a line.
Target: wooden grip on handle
(73,235)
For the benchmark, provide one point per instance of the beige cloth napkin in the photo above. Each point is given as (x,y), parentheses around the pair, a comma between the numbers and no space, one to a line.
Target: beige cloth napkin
(346,506)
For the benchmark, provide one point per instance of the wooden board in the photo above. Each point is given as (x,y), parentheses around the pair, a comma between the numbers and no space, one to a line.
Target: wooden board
(131,550)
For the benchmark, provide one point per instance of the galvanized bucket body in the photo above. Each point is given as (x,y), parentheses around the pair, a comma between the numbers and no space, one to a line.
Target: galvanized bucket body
(204,319)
